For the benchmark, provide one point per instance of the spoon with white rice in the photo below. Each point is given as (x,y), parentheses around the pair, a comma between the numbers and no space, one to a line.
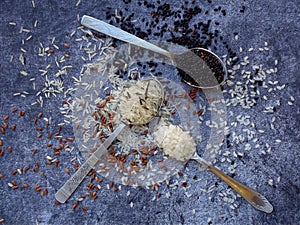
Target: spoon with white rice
(138,105)
(179,144)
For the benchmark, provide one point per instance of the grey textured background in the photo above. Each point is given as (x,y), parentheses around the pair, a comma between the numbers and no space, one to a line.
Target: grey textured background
(275,22)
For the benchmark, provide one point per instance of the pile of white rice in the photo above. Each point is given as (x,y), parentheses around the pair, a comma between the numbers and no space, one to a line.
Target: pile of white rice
(175,142)
(139,103)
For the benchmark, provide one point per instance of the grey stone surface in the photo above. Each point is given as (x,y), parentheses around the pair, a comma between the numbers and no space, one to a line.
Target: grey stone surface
(275,174)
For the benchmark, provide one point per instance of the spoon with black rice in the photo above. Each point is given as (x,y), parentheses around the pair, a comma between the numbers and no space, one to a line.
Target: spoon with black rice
(198,67)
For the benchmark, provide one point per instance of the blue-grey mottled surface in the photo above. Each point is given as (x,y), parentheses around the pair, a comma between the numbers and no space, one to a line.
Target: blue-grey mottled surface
(272,169)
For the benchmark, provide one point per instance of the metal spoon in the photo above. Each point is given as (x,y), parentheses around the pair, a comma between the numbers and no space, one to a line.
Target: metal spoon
(70,186)
(195,67)
(184,151)
(257,200)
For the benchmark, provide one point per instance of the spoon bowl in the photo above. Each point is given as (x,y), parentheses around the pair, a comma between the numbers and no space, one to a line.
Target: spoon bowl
(189,73)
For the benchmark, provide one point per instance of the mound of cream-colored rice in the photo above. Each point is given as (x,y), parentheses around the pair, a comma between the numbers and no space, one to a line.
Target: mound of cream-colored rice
(175,142)
(140,102)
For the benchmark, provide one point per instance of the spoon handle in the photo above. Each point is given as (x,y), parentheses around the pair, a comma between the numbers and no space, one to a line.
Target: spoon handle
(119,34)
(257,200)
(70,186)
